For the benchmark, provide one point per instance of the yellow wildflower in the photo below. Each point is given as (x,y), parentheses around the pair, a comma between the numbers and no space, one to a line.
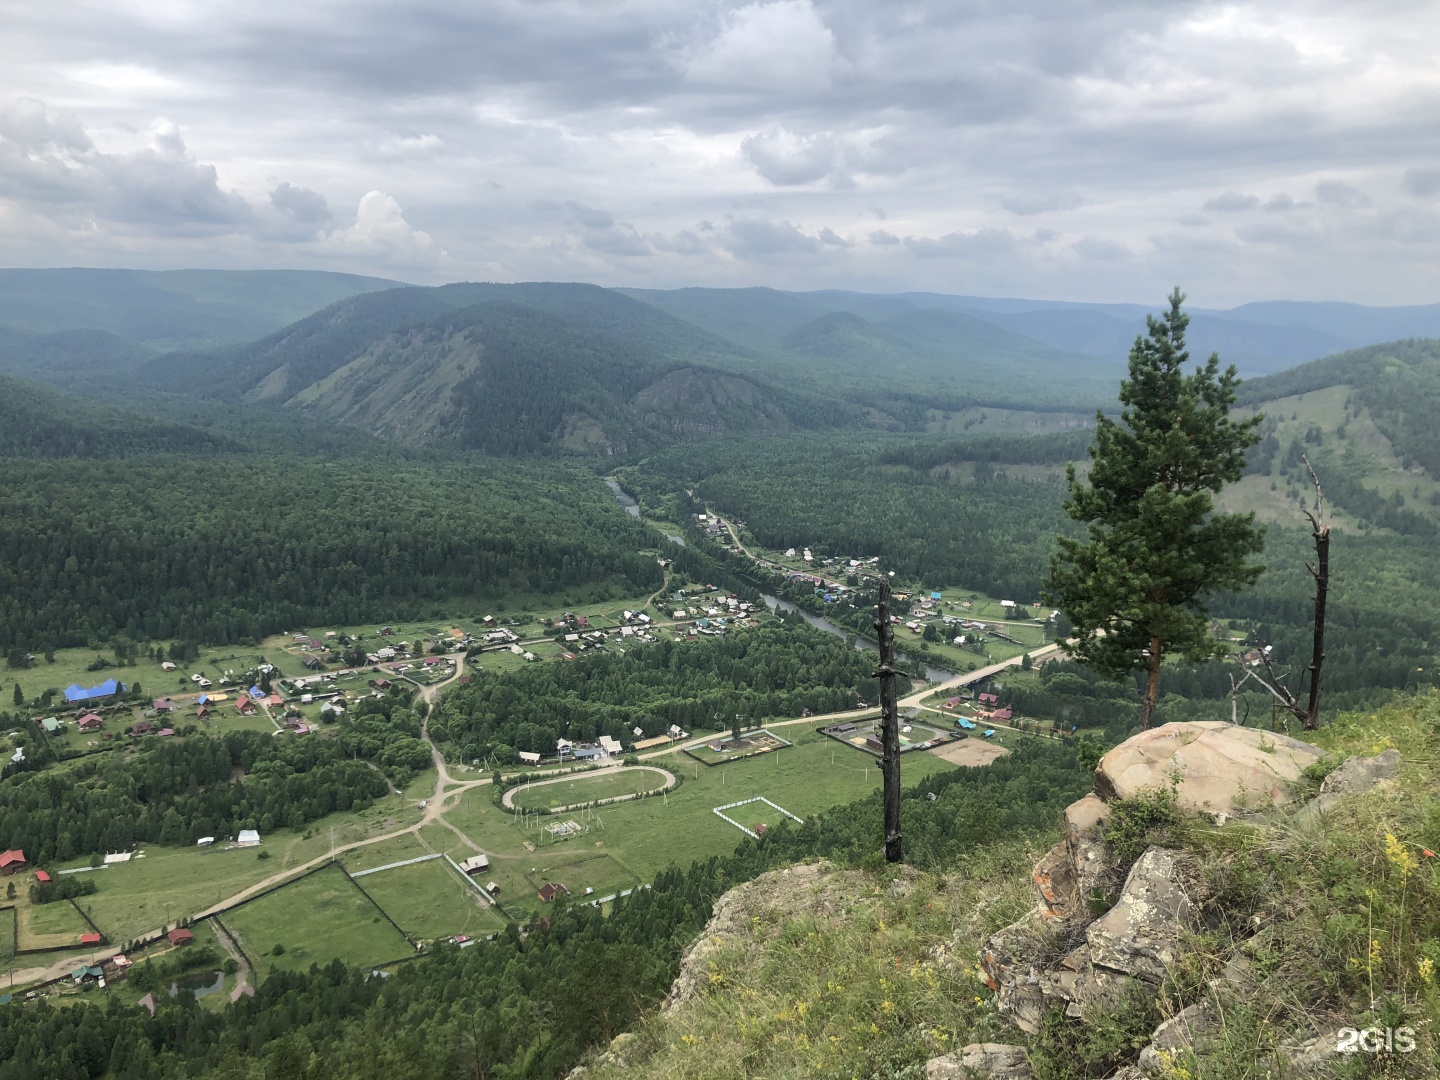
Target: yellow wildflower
(1426,968)
(1400,857)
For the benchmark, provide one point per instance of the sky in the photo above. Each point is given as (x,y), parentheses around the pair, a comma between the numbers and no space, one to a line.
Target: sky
(1062,149)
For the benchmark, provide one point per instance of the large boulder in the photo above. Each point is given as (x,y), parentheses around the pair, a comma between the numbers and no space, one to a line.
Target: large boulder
(1220,768)
(1175,1036)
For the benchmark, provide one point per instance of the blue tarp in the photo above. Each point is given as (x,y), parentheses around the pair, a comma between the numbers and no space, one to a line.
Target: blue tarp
(256,693)
(966,724)
(107,688)
(934,596)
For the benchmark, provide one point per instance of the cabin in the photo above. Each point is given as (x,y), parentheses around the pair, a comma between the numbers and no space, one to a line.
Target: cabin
(12,861)
(245,707)
(550,890)
(475,864)
(142,727)
(180,936)
(161,705)
(85,973)
(1002,714)
(88,722)
(989,699)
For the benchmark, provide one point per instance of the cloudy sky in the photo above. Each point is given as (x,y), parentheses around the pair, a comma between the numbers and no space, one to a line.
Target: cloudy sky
(1082,149)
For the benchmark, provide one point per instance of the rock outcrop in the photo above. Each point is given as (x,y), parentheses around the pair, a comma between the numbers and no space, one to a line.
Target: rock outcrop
(1220,768)
(981,1061)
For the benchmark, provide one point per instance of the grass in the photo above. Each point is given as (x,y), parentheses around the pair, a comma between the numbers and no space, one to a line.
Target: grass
(7,935)
(321,918)
(428,900)
(589,787)
(170,883)
(647,835)
(45,925)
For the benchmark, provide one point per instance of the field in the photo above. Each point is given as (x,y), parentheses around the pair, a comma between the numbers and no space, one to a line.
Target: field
(318,919)
(644,836)
(48,925)
(428,900)
(588,787)
(168,883)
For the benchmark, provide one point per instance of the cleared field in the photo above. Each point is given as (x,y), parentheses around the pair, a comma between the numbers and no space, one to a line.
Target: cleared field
(47,925)
(321,918)
(428,900)
(647,835)
(589,787)
(168,883)
(7,935)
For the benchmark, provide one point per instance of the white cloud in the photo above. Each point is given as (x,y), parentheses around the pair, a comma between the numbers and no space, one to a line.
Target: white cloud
(1231,202)
(784,45)
(381,230)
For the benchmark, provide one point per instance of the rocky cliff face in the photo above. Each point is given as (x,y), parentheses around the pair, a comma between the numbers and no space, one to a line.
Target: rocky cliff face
(1086,947)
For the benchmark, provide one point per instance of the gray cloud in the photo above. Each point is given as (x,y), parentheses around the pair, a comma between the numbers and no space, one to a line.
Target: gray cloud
(1339,193)
(781,118)
(1231,202)
(1422,183)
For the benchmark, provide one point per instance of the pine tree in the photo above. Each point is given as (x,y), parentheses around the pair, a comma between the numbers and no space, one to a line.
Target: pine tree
(19,696)
(1136,587)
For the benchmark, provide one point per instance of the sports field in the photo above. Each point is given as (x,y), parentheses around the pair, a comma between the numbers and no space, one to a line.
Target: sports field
(589,787)
(318,919)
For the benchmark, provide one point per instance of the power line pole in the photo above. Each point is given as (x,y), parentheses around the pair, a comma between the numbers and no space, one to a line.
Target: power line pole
(889,726)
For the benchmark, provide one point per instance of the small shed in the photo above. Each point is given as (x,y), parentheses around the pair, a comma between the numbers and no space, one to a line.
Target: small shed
(42,877)
(91,939)
(492,888)
(180,936)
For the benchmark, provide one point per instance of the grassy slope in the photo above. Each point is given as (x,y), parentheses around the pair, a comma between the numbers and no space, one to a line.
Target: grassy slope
(1349,911)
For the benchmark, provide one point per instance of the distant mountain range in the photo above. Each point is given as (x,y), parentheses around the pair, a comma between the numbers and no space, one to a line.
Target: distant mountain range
(544,365)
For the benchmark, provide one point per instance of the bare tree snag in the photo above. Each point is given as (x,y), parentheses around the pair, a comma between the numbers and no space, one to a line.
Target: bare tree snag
(889,726)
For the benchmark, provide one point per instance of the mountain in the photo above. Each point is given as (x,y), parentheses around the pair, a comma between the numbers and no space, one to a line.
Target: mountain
(872,348)
(38,422)
(172,309)
(72,359)
(498,375)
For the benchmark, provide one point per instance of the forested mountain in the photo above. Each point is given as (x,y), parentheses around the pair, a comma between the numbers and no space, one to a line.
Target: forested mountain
(235,548)
(171,309)
(498,375)
(73,359)
(38,422)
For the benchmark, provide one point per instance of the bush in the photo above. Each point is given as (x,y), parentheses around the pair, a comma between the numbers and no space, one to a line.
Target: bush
(262,854)
(277,950)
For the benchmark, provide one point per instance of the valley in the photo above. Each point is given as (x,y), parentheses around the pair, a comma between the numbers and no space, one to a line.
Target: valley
(485,635)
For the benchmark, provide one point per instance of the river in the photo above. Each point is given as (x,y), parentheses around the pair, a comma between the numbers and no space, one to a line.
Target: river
(773,602)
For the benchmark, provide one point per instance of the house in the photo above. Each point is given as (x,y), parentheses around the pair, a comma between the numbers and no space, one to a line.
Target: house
(475,864)
(529,757)
(164,731)
(51,725)
(84,972)
(203,712)
(245,707)
(167,666)
(119,965)
(42,877)
(989,699)
(161,705)
(90,939)
(313,663)
(759,828)
(142,727)
(1002,714)
(550,890)
(12,861)
(180,936)
(951,703)
(89,722)
(147,1002)
(248,838)
(109,688)
(611,746)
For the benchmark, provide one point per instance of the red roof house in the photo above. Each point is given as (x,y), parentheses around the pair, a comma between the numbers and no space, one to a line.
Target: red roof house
(989,699)
(245,706)
(1002,714)
(550,890)
(11,861)
(180,936)
(161,705)
(88,722)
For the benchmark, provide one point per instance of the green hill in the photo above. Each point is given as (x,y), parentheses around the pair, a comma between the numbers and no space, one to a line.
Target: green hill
(172,309)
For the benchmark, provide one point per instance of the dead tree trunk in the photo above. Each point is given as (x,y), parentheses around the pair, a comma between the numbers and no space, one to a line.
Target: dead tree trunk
(889,727)
(1320,532)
